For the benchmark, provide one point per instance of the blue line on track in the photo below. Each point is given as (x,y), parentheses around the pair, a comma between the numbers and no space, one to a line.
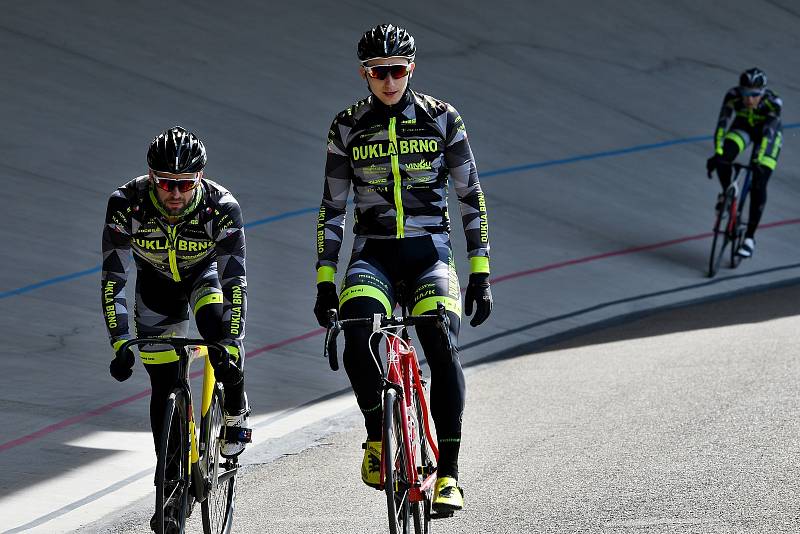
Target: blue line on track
(497,172)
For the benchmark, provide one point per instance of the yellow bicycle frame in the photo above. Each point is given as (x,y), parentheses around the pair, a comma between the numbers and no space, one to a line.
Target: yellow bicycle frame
(208,390)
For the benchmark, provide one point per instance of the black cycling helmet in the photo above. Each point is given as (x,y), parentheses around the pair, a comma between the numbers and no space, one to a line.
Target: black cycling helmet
(386,40)
(176,151)
(753,79)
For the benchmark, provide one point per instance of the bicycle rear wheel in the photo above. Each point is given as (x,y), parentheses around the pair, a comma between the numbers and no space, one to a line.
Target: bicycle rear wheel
(425,465)
(219,479)
(721,238)
(395,465)
(172,467)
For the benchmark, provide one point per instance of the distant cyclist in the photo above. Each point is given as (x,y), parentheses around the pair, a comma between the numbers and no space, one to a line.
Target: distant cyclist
(750,113)
(187,238)
(398,149)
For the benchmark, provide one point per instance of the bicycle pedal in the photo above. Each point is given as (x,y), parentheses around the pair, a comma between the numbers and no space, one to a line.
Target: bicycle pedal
(237,434)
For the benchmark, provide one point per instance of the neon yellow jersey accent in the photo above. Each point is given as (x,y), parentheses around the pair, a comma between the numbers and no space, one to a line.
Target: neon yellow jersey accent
(430,303)
(326,274)
(211,298)
(366,291)
(719,138)
(736,138)
(234,353)
(398,182)
(777,147)
(767,162)
(117,344)
(479,264)
(155,358)
(172,234)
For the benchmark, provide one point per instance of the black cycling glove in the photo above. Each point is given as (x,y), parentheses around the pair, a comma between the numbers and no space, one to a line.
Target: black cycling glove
(121,367)
(232,373)
(478,291)
(327,299)
(711,164)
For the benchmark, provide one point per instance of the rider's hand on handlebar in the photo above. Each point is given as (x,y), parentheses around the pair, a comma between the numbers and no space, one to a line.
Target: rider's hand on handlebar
(711,164)
(231,373)
(327,299)
(121,367)
(478,291)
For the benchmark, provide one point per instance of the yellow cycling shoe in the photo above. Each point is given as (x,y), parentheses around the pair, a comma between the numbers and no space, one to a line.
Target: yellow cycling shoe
(371,465)
(447,496)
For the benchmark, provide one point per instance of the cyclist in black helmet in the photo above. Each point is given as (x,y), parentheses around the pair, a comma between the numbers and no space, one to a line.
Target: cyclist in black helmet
(187,237)
(751,112)
(397,149)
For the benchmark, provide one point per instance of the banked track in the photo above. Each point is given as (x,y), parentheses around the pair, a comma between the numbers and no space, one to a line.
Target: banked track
(590,127)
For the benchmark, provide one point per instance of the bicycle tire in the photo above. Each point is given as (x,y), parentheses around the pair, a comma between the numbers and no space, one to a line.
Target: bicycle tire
(721,239)
(735,244)
(220,485)
(395,462)
(738,238)
(172,469)
(425,464)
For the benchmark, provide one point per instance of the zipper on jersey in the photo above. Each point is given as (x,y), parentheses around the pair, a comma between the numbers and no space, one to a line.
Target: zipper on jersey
(398,182)
(172,237)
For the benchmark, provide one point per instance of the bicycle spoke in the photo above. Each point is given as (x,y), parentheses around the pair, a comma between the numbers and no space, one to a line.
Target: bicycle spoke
(217,509)
(172,489)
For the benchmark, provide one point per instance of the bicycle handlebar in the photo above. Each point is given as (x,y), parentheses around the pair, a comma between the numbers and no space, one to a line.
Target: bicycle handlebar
(379,321)
(738,167)
(177,343)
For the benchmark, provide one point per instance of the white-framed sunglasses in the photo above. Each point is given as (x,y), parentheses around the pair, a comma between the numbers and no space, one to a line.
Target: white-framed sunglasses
(380,72)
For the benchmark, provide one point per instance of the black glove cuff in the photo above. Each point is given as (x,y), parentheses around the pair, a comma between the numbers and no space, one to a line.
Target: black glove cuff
(326,288)
(479,279)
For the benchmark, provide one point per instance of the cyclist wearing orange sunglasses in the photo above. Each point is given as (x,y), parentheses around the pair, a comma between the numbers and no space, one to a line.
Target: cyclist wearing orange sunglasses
(398,149)
(187,237)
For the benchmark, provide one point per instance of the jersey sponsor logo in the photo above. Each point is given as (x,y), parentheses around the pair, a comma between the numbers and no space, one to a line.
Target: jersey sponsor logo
(194,246)
(109,305)
(374,169)
(484,224)
(422,165)
(404,146)
(321,231)
(181,245)
(236,310)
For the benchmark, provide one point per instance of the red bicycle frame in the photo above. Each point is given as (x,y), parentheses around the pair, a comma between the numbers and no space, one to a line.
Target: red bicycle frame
(403,372)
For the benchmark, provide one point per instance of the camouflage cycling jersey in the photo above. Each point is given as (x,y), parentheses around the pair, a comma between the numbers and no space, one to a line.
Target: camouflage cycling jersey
(741,125)
(399,165)
(210,232)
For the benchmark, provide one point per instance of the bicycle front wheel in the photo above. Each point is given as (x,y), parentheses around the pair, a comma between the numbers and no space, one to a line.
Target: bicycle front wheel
(721,238)
(172,467)
(395,465)
(219,479)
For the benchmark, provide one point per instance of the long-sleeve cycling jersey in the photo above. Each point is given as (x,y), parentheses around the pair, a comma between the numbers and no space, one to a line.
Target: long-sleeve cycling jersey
(764,120)
(211,230)
(398,161)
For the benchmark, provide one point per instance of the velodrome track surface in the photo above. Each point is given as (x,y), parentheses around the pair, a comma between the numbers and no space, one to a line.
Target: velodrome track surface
(590,125)
(667,424)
